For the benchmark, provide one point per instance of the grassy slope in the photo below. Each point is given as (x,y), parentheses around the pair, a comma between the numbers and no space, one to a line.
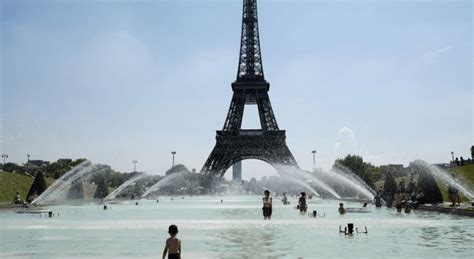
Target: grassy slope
(10,183)
(465,175)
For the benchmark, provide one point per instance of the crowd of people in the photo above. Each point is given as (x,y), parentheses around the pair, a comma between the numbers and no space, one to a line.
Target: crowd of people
(405,198)
(460,161)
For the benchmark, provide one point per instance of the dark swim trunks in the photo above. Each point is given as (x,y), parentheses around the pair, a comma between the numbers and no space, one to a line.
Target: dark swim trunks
(303,208)
(267,212)
(174,256)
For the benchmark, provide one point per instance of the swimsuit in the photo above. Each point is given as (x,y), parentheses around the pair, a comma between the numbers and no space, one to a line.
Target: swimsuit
(267,211)
(174,256)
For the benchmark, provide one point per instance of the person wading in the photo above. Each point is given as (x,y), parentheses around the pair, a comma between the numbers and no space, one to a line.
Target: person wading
(267,205)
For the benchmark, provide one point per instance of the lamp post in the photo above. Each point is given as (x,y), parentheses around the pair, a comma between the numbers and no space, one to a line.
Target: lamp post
(134,165)
(452,156)
(27,162)
(173,153)
(314,159)
(4,156)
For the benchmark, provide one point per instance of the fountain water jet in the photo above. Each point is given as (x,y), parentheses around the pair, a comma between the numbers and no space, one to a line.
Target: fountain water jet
(302,183)
(444,176)
(123,186)
(303,175)
(167,179)
(57,191)
(352,181)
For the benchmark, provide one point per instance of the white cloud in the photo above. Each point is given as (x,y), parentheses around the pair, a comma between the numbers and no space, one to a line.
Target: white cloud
(434,54)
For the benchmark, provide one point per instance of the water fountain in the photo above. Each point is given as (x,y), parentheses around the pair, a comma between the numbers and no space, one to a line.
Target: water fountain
(302,183)
(57,192)
(349,180)
(445,177)
(175,177)
(121,188)
(302,177)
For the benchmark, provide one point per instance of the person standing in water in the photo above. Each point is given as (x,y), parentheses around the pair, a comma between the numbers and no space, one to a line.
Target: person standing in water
(341,209)
(173,245)
(267,205)
(399,199)
(302,203)
(285,199)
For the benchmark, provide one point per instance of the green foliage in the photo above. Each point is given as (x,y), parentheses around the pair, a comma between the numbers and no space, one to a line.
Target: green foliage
(102,191)
(38,186)
(390,186)
(11,183)
(11,167)
(60,167)
(426,182)
(357,166)
(179,168)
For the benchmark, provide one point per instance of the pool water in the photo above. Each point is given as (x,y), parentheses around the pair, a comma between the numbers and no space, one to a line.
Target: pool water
(232,229)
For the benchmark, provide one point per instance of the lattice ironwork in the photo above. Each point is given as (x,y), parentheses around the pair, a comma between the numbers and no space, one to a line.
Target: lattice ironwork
(234,144)
(250,59)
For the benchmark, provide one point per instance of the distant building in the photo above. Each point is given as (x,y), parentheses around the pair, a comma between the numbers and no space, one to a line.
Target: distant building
(237,172)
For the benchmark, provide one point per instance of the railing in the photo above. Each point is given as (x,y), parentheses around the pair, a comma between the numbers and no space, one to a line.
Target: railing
(251,133)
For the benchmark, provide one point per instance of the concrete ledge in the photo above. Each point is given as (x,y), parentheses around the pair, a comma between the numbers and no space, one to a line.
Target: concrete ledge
(462,211)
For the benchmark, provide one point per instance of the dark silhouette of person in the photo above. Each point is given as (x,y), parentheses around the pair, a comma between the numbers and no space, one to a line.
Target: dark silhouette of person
(411,186)
(402,185)
(302,203)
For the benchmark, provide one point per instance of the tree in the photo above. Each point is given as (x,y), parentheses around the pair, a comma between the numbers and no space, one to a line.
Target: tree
(357,166)
(76,191)
(38,186)
(102,191)
(177,169)
(426,182)
(62,166)
(390,186)
(10,167)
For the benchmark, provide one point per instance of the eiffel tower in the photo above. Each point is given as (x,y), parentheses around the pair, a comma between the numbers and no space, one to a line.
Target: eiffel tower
(234,144)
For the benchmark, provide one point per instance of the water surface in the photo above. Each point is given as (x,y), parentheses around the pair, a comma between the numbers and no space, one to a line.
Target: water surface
(234,228)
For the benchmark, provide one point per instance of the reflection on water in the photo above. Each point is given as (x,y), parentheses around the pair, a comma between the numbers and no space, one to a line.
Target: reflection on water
(266,240)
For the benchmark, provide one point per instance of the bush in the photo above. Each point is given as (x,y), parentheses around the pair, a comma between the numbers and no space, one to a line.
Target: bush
(102,191)
(357,166)
(390,186)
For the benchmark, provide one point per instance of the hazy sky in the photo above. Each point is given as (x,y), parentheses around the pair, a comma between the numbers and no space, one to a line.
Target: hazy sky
(114,81)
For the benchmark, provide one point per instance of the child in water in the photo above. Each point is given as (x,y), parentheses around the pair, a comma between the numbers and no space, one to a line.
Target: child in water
(267,205)
(302,203)
(173,245)
(285,199)
(341,209)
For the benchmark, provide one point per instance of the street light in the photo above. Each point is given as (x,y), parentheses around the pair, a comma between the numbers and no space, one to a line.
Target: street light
(134,165)
(28,162)
(314,159)
(173,153)
(4,156)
